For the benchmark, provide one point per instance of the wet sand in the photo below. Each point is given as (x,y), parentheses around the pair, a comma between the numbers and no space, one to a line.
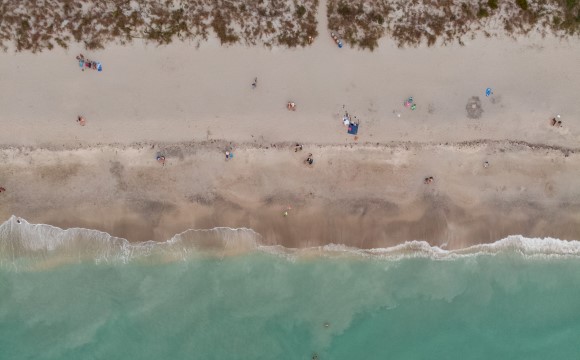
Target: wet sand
(360,195)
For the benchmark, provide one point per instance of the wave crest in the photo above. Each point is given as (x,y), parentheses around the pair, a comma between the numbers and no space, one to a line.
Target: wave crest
(25,245)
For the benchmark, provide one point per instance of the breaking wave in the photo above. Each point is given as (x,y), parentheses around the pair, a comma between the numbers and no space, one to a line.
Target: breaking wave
(24,245)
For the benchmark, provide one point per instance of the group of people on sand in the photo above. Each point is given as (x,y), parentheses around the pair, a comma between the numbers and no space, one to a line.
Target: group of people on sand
(161,158)
(309,159)
(556,121)
(336,39)
(88,64)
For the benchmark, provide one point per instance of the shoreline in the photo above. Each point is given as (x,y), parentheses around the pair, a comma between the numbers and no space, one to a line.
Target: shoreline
(43,246)
(360,196)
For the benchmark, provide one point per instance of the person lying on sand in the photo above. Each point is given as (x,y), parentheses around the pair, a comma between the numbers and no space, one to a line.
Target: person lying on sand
(81,120)
(161,159)
(297,148)
(309,160)
(429,180)
(2,189)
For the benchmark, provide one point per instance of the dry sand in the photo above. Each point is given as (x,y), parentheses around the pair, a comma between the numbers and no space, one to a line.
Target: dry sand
(193,103)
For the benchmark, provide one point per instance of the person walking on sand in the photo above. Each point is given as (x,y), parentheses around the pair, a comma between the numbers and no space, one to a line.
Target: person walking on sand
(81,120)
(255,83)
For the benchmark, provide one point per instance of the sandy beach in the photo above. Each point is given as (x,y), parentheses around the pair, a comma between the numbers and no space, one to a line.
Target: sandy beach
(191,104)
(360,195)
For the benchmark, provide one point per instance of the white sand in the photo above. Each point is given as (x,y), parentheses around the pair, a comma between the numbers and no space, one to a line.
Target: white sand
(178,93)
(165,95)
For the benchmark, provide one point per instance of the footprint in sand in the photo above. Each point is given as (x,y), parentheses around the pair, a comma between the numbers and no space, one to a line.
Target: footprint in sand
(549,189)
(430,109)
(473,108)
(495,99)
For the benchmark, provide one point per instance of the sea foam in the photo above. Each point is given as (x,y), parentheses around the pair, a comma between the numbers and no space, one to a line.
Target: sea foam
(24,245)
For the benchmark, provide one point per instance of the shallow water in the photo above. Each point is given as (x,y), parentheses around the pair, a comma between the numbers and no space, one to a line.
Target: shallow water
(259,305)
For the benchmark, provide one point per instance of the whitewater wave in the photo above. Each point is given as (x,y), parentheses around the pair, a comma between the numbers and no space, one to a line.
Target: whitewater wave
(25,245)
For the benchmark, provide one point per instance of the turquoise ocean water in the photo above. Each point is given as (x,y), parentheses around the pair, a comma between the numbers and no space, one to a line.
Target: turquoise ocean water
(84,295)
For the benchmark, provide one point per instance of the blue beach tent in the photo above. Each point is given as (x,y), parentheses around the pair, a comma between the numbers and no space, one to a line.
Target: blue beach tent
(353,129)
